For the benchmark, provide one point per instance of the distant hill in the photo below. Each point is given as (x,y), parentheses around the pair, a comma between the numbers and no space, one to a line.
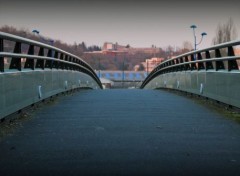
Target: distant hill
(110,57)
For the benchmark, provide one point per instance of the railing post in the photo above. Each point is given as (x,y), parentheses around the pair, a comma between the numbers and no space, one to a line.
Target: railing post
(16,62)
(71,60)
(231,64)
(66,66)
(176,63)
(218,64)
(55,62)
(30,62)
(1,58)
(208,64)
(187,66)
(182,67)
(193,65)
(61,63)
(172,68)
(40,62)
(199,64)
(48,63)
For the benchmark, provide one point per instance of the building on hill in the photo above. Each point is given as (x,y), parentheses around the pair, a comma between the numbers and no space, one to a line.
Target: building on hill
(150,64)
(108,46)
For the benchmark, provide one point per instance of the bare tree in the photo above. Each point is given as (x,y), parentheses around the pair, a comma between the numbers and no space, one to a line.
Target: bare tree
(187,46)
(225,32)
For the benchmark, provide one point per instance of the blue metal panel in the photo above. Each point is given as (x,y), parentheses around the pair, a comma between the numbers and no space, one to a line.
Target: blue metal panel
(138,76)
(131,76)
(116,76)
(107,75)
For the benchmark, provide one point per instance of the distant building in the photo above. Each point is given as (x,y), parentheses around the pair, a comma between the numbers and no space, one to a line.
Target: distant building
(150,64)
(111,47)
(108,46)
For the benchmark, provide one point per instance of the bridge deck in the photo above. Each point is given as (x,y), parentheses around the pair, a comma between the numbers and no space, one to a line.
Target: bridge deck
(123,132)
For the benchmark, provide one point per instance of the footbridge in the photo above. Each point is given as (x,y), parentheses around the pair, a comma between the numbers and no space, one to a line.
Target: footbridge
(124,132)
(212,73)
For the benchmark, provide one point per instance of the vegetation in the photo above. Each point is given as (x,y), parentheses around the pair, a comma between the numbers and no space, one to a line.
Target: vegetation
(225,32)
(105,61)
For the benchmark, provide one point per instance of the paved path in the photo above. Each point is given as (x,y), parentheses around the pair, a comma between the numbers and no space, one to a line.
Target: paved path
(123,132)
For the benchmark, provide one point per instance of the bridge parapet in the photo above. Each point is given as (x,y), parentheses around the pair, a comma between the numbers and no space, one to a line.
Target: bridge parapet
(31,71)
(212,72)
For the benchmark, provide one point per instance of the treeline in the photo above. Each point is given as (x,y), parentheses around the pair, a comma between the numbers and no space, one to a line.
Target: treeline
(98,60)
(116,61)
(77,49)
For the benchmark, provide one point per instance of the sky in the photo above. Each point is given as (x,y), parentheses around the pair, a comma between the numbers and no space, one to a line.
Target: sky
(138,23)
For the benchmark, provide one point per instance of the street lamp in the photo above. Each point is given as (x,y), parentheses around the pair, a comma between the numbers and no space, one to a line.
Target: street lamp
(35,31)
(195,38)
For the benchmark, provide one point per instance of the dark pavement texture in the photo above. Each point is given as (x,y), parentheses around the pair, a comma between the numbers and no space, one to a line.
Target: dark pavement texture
(123,132)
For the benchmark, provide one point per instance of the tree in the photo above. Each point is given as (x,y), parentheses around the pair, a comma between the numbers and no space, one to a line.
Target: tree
(128,46)
(83,46)
(187,46)
(141,67)
(225,32)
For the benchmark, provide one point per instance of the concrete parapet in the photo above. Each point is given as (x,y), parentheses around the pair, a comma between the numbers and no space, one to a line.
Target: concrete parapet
(223,86)
(21,89)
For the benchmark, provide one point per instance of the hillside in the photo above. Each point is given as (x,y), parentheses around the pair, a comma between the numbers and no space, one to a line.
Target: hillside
(114,58)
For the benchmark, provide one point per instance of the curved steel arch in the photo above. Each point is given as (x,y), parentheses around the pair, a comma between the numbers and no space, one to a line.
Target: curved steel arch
(55,58)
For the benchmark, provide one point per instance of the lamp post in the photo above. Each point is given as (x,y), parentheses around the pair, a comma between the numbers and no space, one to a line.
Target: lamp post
(195,38)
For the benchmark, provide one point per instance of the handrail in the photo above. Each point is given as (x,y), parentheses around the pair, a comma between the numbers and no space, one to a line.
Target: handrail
(194,61)
(67,58)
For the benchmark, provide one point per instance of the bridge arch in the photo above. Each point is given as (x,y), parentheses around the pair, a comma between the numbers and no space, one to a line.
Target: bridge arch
(212,72)
(31,71)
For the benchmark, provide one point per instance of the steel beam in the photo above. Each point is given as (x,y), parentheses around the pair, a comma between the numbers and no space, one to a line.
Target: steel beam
(200,65)
(231,64)
(208,64)
(218,64)
(30,62)
(16,62)
(40,62)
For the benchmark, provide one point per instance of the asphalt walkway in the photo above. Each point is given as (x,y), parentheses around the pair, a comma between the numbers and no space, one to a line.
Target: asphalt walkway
(123,132)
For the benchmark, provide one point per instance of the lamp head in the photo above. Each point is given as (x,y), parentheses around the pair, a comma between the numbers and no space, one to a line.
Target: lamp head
(193,26)
(35,31)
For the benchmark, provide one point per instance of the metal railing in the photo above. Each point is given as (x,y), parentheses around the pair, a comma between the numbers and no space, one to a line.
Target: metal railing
(47,57)
(218,57)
